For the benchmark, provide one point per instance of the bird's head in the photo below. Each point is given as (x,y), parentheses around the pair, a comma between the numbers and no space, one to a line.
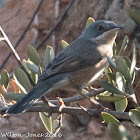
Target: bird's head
(102,31)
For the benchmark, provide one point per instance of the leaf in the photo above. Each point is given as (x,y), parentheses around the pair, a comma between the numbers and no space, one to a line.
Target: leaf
(34,77)
(13,96)
(133,64)
(118,132)
(127,60)
(46,121)
(123,68)
(138,108)
(124,44)
(110,98)
(49,55)
(64,44)
(89,21)
(109,118)
(3,89)
(111,76)
(32,67)
(25,66)
(121,105)
(111,62)
(120,82)
(135,116)
(5,79)
(109,87)
(15,86)
(34,56)
(23,79)
(114,49)
(134,13)
(55,125)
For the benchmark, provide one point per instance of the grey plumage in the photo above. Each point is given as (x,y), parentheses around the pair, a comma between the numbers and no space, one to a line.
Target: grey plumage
(75,65)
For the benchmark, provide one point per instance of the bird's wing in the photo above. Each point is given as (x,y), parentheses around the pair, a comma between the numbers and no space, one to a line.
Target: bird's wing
(78,55)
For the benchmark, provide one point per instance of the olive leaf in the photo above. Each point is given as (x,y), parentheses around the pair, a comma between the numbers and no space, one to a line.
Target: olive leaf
(124,45)
(109,118)
(118,132)
(34,56)
(49,55)
(89,21)
(109,87)
(5,79)
(135,116)
(64,44)
(47,121)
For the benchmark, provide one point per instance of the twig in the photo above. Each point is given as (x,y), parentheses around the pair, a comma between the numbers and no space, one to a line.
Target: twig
(5,38)
(55,26)
(24,33)
(79,97)
(74,111)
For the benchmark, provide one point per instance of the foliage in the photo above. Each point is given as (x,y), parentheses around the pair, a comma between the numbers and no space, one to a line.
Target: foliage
(119,87)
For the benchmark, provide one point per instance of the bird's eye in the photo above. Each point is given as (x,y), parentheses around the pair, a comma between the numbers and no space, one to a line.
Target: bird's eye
(100,27)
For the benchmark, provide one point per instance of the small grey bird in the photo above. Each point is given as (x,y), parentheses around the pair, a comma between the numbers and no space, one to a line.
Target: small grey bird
(80,63)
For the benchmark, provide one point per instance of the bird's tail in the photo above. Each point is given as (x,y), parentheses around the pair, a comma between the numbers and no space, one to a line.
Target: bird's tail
(29,99)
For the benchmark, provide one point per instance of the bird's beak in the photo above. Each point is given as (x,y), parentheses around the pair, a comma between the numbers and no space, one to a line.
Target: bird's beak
(117,28)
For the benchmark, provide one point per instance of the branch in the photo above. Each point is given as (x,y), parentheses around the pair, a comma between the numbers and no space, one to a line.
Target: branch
(5,38)
(55,26)
(73,111)
(24,33)
(54,108)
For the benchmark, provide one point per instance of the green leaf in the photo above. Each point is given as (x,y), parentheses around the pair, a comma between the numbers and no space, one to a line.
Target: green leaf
(118,132)
(13,96)
(123,68)
(55,125)
(64,44)
(138,108)
(111,62)
(114,49)
(124,45)
(34,77)
(25,66)
(89,21)
(127,60)
(121,105)
(135,116)
(5,79)
(109,118)
(46,121)
(109,87)
(120,82)
(32,67)
(23,79)
(49,55)
(111,77)
(133,64)
(34,56)
(110,98)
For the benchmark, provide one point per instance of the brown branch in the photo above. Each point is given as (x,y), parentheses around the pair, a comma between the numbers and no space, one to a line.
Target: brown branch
(55,26)
(73,111)
(41,107)
(23,34)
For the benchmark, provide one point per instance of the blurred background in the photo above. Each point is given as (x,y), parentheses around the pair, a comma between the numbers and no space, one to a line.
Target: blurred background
(14,18)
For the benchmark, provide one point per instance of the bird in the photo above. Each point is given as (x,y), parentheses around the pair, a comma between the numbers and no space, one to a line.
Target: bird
(76,66)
